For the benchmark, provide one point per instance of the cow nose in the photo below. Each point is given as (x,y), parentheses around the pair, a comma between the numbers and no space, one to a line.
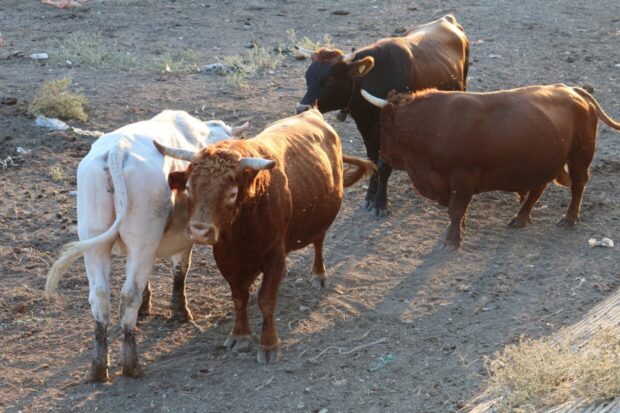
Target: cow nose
(200,231)
(302,108)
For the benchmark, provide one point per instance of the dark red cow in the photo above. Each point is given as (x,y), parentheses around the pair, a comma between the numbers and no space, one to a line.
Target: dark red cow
(257,200)
(457,144)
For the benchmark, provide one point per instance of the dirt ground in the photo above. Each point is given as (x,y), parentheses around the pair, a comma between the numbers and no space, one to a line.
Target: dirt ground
(430,316)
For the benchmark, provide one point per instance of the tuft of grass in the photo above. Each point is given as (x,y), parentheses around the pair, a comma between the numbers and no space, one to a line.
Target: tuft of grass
(537,374)
(90,49)
(307,43)
(55,101)
(56,173)
(178,61)
(256,61)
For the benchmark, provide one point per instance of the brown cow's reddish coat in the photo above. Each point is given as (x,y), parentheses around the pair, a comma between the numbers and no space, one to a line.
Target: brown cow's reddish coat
(456,144)
(254,216)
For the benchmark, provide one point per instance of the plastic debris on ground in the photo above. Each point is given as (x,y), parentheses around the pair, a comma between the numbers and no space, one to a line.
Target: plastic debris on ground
(64,4)
(6,163)
(216,69)
(50,123)
(605,243)
(39,56)
(383,361)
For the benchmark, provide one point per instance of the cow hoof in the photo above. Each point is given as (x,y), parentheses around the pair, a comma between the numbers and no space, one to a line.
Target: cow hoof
(97,374)
(268,356)
(367,205)
(183,315)
(451,246)
(518,222)
(566,222)
(320,282)
(379,213)
(239,344)
(134,371)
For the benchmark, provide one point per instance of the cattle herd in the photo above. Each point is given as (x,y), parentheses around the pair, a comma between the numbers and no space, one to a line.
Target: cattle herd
(154,188)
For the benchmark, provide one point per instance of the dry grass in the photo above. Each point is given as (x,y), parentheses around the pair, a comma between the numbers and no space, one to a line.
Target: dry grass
(90,49)
(57,174)
(538,374)
(177,61)
(55,101)
(307,43)
(256,61)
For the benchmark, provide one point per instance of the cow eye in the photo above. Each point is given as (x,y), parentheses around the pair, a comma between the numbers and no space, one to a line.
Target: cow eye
(232,195)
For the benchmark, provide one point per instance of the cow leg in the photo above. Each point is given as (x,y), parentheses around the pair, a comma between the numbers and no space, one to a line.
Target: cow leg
(460,197)
(370,135)
(145,307)
(98,262)
(579,175)
(269,349)
(240,339)
(319,276)
(523,217)
(139,267)
(178,303)
(380,203)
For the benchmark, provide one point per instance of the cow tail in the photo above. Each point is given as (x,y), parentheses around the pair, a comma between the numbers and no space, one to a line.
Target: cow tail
(362,168)
(599,111)
(74,250)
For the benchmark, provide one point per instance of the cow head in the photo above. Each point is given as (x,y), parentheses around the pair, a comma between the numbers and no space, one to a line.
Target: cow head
(218,181)
(329,79)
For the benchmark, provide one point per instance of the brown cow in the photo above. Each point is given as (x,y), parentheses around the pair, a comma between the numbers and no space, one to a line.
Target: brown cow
(257,200)
(457,144)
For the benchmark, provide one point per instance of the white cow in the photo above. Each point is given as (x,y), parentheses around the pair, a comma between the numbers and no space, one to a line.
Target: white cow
(124,205)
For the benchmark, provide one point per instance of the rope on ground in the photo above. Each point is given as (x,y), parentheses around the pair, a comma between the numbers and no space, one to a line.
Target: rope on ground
(353,350)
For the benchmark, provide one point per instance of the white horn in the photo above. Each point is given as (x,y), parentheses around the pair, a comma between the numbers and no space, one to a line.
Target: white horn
(348,58)
(378,102)
(176,153)
(305,52)
(258,164)
(238,130)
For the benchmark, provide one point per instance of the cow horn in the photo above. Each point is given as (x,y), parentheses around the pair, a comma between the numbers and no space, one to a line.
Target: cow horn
(305,52)
(258,164)
(348,58)
(378,102)
(176,153)
(238,130)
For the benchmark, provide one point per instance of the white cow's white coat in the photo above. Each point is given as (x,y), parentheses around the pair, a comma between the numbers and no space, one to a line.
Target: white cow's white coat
(124,203)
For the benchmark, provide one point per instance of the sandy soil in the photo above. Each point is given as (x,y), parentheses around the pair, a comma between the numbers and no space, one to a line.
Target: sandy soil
(433,316)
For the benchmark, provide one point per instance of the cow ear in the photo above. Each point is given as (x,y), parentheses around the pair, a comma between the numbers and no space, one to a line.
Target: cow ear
(361,67)
(177,180)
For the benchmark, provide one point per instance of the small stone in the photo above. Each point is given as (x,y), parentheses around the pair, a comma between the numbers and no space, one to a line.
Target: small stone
(570,59)
(72,194)
(340,13)
(303,308)
(8,100)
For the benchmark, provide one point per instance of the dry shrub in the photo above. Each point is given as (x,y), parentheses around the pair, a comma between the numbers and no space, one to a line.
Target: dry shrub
(309,44)
(90,49)
(243,67)
(55,101)
(538,374)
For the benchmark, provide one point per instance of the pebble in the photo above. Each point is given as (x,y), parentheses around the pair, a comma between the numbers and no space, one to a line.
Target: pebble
(8,100)
(72,194)
(341,12)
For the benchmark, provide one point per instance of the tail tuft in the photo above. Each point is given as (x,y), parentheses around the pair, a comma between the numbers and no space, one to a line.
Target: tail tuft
(361,168)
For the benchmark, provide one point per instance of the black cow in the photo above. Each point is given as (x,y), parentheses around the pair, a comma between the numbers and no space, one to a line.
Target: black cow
(433,55)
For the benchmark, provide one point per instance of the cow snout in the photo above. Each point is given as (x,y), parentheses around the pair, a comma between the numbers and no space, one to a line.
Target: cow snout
(302,108)
(200,233)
